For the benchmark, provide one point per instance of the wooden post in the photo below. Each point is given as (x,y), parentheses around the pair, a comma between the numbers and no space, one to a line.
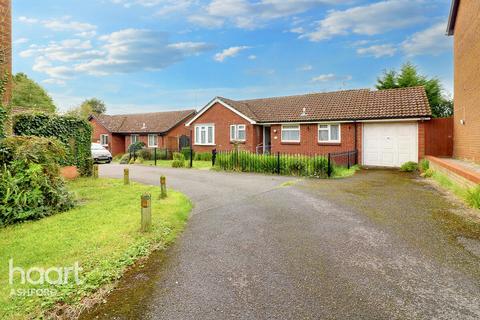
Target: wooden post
(146,211)
(155,156)
(95,171)
(163,187)
(126,178)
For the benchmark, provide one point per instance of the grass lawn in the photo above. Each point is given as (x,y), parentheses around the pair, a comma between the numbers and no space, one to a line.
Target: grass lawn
(168,163)
(470,196)
(101,233)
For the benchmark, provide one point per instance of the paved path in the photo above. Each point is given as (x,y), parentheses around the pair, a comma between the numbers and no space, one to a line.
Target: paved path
(380,245)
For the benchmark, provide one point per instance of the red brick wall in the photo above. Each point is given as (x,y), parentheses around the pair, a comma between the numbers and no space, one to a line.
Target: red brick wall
(222,117)
(116,142)
(6,44)
(309,140)
(467,82)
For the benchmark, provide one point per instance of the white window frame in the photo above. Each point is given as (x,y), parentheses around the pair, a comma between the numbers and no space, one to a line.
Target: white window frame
(329,129)
(155,137)
(137,137)
(236,129)
(205,127)
(102,137)
(284,128)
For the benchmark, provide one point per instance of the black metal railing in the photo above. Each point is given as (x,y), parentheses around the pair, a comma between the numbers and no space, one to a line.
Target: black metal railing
(309,165)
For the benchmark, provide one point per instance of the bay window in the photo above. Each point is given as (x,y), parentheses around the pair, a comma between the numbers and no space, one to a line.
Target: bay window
(329,133)
(237,132)
(290,133)
(205,134)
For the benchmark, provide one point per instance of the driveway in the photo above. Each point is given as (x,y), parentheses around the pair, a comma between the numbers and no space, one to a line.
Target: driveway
(379,245)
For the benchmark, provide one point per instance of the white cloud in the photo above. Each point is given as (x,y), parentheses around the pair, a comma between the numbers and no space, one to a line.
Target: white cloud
(81,29)
(252,57)
(331,77)
(162,7)
(124,51)
(27,20)
(20,41)
(306,67)
(58,82)
(249,15)
(229,53)
(378,51)
(429,41)
(371,19)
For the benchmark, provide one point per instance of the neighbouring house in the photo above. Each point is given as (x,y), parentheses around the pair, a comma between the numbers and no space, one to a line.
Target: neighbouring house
(157,130)
(6,46)
(386,127)
(464,24)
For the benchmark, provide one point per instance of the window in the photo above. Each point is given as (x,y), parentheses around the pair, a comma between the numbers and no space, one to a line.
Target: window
(104,139)
(152,140)
(237,132)
(205,134)
(291,133)
(133,138)
(329,133)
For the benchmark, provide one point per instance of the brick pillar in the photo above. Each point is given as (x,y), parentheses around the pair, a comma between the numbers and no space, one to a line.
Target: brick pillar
(6,44)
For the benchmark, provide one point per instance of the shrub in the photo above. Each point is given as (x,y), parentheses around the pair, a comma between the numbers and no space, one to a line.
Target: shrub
(409,166)
(75,134)
(424,165)
(473,197)
(125,159)
(186,153)
(427,173)
(135,147)
(178,160)
(320,166)
(30,184)
(146,154)
(139,160)
(203,156)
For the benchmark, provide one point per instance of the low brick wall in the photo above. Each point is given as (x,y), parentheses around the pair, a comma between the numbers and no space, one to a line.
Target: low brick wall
(457,174)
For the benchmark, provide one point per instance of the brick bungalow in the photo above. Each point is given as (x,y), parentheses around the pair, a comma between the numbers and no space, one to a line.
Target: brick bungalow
(386,126)
(158,129)
(464,25)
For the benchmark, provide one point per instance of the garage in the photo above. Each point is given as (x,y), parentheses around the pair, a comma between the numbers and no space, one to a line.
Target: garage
(390,144)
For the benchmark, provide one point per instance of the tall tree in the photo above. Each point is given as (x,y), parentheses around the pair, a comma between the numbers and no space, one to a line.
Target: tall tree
(88,107)
(29,94)
(409,77)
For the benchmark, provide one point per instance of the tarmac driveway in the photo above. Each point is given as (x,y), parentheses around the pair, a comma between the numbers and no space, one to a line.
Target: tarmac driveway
(380,245)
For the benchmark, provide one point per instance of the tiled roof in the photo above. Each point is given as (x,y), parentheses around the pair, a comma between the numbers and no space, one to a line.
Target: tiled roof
(156,122)
(359,104)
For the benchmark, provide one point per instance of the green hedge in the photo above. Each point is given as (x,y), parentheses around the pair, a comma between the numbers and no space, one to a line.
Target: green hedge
(30,183)
(74,133)
(203,156)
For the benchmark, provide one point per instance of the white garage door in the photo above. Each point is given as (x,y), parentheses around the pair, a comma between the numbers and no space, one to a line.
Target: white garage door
(389,144)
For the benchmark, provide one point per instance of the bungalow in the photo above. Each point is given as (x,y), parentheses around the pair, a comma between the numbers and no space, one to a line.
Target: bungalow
(386,127)
(156,130)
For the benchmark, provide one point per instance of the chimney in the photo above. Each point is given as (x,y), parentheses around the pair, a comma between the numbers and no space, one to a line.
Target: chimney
(6,46)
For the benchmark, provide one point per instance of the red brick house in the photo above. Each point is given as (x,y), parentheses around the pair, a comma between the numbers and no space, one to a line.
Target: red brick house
(156,130)
(386,127)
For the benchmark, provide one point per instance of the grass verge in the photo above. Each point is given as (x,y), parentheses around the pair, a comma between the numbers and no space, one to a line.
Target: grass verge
(470,196)
(101,234)
(344,172)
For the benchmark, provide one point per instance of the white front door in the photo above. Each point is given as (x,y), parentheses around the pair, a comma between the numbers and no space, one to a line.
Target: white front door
(390,144)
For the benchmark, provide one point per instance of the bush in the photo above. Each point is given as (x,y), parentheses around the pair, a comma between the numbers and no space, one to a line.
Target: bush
(135,147)
(428,173)
(139,160)
(473,197)
(409,166)
(30,184)
(146,154)
(178,160)
(424,165)
(203,156)
(125,159)
(75,134)
(186,153)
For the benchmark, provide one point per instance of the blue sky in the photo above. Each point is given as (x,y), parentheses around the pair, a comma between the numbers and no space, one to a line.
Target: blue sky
(153,55)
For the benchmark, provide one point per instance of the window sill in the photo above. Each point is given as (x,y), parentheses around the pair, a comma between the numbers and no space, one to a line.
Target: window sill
(204,145)
(236,141)
(290,142)
(329,143)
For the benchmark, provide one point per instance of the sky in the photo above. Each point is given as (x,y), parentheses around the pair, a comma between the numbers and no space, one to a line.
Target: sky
(158,55)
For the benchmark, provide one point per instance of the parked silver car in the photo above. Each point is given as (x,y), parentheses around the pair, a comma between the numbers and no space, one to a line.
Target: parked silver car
(100,154)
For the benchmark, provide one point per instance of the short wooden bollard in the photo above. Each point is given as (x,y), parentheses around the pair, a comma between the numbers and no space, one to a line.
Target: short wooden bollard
(95,171)
(126,178)
(146,204)
(163,187)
